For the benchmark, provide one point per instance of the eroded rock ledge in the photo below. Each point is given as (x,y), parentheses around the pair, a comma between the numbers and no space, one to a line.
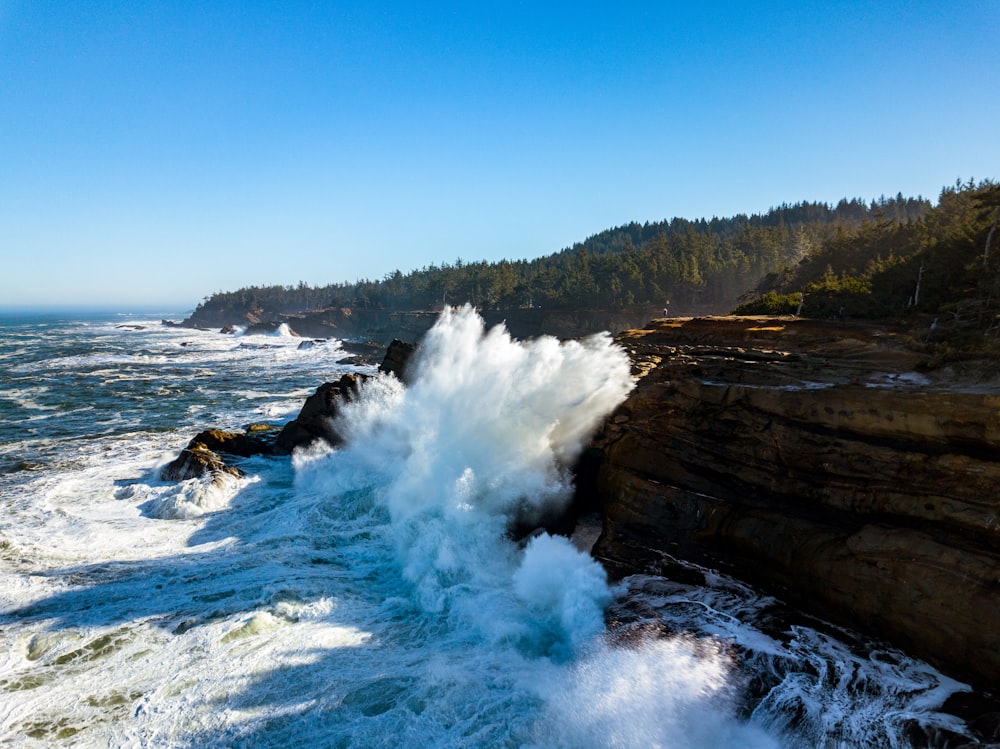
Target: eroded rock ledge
(812,459)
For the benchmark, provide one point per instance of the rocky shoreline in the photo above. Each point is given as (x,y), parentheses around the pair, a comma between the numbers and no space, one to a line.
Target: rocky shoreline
(383,326)
(205,453)
(810,458)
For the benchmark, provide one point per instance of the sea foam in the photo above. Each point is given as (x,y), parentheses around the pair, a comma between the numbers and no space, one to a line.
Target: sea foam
(484,435)
(372,595)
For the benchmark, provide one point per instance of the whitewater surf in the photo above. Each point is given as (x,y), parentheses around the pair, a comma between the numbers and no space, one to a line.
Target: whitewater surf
(370,595)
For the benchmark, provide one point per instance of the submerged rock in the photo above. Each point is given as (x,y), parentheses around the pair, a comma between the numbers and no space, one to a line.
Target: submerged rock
(809,458)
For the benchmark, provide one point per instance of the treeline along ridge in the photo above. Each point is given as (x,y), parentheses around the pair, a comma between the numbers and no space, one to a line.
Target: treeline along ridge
(866,259)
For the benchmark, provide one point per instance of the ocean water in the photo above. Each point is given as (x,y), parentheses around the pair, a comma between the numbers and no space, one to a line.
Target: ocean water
(370,596)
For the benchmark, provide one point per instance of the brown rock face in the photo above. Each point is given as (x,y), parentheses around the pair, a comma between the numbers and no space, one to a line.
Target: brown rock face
(811,459)
(315,419)
(200,456)
(234,443)
(397,358)
(195,461)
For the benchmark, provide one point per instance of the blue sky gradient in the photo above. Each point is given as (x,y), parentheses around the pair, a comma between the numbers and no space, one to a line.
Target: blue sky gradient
(157,152)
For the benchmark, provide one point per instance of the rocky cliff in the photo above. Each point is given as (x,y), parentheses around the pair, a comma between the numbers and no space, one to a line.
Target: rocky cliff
(813,459)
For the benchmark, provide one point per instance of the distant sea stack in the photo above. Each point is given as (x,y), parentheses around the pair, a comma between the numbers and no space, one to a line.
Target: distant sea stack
(815,460)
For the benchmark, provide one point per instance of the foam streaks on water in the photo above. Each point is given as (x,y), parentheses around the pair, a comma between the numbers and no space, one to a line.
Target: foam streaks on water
(369,596)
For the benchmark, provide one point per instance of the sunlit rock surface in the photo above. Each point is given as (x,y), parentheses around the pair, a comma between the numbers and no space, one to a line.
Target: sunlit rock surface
(815,459)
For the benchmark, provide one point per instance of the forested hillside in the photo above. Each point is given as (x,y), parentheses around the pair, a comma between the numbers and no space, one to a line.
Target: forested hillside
(944,263)
(696,266)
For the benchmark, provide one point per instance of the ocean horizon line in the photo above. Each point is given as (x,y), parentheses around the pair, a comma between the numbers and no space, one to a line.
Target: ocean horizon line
(16,310)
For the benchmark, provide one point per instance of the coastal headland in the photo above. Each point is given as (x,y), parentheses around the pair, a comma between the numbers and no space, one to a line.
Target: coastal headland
(823,461)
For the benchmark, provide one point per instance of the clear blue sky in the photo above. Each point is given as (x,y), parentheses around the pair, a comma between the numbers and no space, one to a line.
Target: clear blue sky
(156,152)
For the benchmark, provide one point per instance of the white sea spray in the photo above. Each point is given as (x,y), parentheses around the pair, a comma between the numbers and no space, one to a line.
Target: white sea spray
(371,596)
(485,435)
(669,693)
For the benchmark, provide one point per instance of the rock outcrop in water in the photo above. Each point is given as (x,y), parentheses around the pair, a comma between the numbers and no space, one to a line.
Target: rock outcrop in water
(397,358)
(234,443)
(315,421)
(197,460)
(812,459)
(201,456)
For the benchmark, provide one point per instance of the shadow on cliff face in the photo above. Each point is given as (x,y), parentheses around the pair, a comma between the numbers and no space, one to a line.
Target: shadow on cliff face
(811,459)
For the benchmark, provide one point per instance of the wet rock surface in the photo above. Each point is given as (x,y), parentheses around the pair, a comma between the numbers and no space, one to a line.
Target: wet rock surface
(397,358)
(195,461)
(315,420)
(243,444)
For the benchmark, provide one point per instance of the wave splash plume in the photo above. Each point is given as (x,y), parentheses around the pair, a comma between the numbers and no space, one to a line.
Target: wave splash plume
(483,437)
(379,594)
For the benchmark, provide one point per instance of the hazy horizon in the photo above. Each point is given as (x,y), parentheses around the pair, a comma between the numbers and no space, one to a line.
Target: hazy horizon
(48,309)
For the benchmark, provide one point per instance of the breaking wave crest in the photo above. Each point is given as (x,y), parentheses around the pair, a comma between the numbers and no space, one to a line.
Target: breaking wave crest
(375,595)
(483,436)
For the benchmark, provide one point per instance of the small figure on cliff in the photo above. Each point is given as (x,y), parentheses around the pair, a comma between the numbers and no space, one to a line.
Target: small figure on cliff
(666,309)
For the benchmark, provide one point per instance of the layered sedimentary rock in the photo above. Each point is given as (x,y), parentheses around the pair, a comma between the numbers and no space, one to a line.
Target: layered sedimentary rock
(813,459)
